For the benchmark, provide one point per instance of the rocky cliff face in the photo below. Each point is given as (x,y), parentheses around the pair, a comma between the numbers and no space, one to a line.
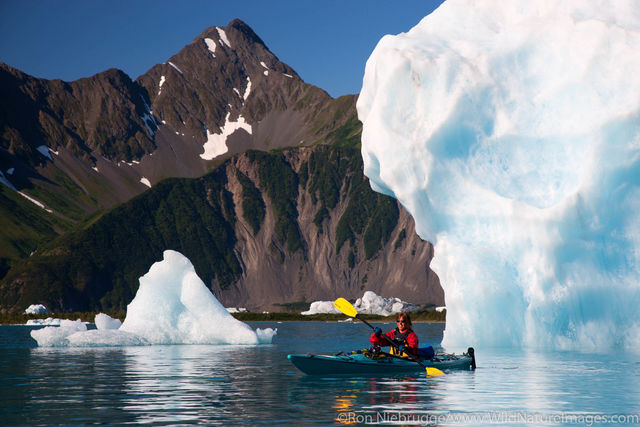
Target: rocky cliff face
(265,231)
(262,227)
(345,245)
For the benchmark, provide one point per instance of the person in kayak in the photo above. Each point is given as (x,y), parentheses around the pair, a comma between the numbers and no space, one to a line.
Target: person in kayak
(404,339)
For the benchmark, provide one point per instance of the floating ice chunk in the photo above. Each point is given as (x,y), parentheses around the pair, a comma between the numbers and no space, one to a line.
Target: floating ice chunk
(104,322)
(56,336)
(103,338)
(317,307)
(172,306)
(370,303)
(10,171)
(36,309)
(49,321)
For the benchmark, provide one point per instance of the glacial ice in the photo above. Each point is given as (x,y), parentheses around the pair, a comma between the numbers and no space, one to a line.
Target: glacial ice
(512,135)
(36,309)
(370,303)
(172,306)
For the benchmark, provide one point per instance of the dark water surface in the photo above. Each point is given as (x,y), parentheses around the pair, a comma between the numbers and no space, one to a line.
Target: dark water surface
(184,384)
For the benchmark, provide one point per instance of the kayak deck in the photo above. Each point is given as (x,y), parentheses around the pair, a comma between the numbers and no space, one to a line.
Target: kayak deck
(364,363)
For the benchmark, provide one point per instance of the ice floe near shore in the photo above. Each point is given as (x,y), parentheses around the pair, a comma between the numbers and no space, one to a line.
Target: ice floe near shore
(370,303)
(172,306)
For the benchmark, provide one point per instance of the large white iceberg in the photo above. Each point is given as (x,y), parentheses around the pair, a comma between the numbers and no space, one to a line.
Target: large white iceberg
(511,132)
(172,306)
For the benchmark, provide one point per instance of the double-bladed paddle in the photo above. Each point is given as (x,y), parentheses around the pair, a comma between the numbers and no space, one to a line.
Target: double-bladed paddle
(346,308)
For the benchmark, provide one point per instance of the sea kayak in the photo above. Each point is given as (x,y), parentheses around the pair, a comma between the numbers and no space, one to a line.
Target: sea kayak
(363,362)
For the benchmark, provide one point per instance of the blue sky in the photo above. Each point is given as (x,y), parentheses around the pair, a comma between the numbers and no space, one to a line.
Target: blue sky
(327,42)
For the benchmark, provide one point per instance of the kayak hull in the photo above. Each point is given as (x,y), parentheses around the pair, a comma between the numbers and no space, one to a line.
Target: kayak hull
(356,364)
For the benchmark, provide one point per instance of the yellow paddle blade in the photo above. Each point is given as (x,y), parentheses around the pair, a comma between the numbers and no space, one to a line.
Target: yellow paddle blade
(345,307)
(434,371)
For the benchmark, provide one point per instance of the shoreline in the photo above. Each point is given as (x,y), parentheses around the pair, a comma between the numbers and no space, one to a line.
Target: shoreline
(416,317)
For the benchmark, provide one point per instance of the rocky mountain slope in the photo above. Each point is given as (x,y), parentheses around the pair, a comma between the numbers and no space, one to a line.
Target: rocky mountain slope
(89,202)
(77,147)
(264,230)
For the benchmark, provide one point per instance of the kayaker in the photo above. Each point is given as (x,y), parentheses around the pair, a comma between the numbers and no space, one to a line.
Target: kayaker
(405,340)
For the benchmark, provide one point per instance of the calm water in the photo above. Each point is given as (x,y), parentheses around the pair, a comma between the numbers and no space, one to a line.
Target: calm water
(248,385)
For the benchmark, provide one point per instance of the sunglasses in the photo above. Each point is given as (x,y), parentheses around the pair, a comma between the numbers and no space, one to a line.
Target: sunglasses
(401,321)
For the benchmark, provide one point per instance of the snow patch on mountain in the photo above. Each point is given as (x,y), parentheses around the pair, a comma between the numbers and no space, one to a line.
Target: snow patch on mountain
(34,201)
(4,180)
(44,150)
(149,120)
(162,80)
(216,144)
(248,89)
(175,66)
(223,36)
(211,45)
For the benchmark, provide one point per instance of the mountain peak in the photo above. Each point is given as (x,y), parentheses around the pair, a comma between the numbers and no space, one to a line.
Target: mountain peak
(236,31)
(246,30)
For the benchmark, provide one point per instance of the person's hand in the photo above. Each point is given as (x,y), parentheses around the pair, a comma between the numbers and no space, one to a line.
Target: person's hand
(377,332)
(401,349)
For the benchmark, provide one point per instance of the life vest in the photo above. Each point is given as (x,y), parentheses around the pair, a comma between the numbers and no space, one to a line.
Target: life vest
(399,338)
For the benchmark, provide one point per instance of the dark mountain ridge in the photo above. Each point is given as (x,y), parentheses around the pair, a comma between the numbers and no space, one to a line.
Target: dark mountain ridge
(71,153)
(78,147)
(263,230)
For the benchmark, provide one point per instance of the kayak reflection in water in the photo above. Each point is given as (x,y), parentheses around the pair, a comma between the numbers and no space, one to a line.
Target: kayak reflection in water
(403,341)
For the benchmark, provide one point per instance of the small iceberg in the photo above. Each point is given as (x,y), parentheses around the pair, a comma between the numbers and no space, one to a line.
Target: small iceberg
(36,309)
(49,321)
(172,306)
(370,303)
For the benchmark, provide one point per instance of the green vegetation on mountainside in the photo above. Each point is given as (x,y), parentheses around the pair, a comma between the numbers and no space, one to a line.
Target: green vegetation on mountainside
(23,227)
(96,265)
(279,181)
(253,209)
(333,173)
